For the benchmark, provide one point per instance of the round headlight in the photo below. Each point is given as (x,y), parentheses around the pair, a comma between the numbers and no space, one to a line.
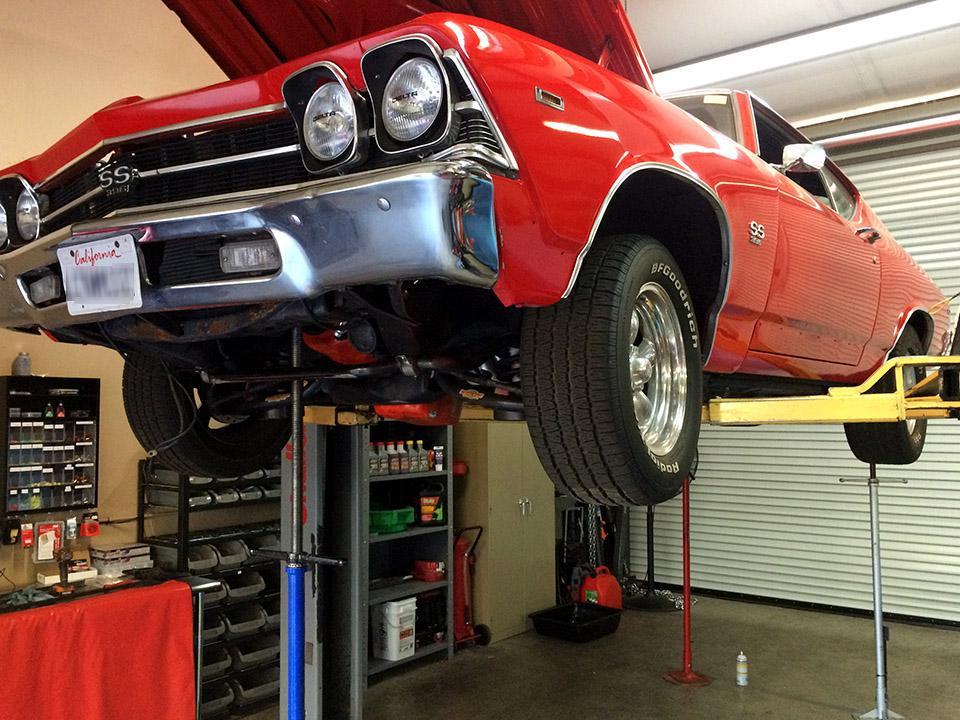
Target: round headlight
(329,124)
(4,232)
(412,99)
(28,215)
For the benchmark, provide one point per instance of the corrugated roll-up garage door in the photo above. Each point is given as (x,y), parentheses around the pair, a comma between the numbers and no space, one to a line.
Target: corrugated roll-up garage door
(769,515)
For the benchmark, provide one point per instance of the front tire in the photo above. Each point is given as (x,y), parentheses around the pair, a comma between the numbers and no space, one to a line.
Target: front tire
(164,415)
(612,379)
(889,443)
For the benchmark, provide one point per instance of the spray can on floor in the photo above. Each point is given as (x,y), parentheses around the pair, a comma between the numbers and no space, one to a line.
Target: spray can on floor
(742,670)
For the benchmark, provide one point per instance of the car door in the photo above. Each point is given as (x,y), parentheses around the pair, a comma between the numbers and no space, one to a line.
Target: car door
(826,284)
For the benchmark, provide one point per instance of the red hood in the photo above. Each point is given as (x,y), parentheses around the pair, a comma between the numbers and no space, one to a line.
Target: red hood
(246,37)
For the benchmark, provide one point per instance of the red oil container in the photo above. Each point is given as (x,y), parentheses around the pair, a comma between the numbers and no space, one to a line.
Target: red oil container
(602,588)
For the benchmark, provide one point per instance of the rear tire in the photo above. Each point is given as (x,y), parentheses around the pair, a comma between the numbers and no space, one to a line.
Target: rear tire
(891,443)
(159,410)
(612,379)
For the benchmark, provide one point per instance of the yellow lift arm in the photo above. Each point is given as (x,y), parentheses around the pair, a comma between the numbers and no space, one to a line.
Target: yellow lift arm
(926,399)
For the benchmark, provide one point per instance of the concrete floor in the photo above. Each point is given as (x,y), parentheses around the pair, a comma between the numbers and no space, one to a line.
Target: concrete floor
(803,666)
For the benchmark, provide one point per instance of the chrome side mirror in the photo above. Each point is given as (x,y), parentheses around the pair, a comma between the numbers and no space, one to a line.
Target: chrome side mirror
(803,158)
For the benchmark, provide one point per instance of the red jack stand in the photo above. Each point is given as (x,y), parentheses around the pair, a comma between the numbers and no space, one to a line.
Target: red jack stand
(686,675)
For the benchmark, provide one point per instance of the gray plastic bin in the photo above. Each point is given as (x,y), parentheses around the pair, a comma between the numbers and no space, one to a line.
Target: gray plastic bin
(253,492)
(215,596)
(215,661)
(171,497)
(244,620)
(226,496)
(268,541)
(245,585)
(257,649)
(199,557)
(271,491)
(231,553)
(255,686)
(213,627)
(271,610)
(217,697)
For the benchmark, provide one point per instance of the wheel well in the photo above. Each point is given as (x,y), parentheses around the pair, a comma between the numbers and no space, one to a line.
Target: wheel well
(923,323)
(689,220)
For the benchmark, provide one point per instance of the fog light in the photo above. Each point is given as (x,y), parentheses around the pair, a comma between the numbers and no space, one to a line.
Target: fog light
(246,257)
(46,289)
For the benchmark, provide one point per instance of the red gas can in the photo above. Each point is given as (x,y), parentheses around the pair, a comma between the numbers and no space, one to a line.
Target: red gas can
(600,587)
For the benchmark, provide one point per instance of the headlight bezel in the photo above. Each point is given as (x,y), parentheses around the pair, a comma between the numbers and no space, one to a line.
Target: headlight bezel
(389,125)
(299,89)
(11,188)
(378,66)
(28,194)
(4,229)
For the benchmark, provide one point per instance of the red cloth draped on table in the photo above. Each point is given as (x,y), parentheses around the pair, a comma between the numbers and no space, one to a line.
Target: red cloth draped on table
(125,654)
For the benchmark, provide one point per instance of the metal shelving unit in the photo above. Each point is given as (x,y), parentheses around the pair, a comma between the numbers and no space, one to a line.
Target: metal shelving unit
(173,493)
(350,489)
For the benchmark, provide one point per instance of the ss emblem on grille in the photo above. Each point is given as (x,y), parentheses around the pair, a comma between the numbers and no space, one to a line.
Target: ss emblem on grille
(117,179)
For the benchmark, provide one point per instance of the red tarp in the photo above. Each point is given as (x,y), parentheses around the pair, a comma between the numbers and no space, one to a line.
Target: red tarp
(126,654)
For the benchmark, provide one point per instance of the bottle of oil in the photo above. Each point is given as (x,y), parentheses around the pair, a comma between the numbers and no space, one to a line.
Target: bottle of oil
(404,457)
(383,458)
(393,460)
(423,462)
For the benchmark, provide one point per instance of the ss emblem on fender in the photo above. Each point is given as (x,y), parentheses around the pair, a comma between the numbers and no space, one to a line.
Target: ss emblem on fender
(757,232)
(117,179)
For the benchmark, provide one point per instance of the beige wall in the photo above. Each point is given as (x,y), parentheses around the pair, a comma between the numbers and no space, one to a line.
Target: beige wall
(61,62)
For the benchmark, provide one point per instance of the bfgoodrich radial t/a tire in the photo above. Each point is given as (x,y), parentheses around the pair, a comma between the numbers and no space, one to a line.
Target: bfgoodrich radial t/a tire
(897,443)
(164,415)
(611,377)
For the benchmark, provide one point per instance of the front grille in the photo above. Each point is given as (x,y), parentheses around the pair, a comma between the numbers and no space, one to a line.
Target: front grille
(187,261)
(475,129)
(202,146)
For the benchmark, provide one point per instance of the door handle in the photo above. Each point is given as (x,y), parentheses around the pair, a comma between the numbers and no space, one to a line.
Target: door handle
(869,234)
(522,502)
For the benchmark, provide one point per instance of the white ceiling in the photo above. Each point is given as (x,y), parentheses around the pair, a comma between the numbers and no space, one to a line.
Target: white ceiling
(699,28)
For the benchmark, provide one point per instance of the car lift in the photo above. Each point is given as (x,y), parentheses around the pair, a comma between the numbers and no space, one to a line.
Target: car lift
(936,396)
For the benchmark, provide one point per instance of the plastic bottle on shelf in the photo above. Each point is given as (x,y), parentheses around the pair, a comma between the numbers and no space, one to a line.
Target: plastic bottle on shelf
(438,458)
(393,460)
(404,457)
(423,462)
(383,465)
(374,460)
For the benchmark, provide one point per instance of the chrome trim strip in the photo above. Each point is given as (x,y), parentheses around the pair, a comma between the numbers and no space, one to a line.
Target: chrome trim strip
(468,105)
(726,235)
(375,111)
(453,56)
(226,160)
(73,203)
(211,120)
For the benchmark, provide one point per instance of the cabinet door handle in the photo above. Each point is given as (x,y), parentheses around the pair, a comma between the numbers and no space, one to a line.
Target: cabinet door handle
(529,506)
(522,502)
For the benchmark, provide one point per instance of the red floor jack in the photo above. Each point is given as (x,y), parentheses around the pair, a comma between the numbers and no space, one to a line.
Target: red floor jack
(464,560)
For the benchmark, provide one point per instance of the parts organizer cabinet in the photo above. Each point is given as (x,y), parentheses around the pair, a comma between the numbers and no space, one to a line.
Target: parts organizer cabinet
(50,440)
(241,624)
(350,492)
(507,492)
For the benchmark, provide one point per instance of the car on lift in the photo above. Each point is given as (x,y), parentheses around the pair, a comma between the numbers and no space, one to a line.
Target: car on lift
(495,208)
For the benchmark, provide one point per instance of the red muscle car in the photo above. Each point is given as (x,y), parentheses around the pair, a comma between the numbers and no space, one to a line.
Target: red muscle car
(454,209)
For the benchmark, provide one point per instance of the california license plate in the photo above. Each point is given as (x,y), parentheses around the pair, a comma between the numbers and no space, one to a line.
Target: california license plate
(101,276)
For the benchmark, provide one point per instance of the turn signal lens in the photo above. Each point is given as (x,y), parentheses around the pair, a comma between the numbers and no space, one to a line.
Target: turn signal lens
(247,257)
(46,289)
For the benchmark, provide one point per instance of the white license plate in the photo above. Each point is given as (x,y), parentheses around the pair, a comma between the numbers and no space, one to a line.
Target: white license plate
(101,276)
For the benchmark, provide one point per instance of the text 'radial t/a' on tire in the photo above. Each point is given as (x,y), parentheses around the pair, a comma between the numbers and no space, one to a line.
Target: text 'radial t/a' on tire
(612,379)
(164,414)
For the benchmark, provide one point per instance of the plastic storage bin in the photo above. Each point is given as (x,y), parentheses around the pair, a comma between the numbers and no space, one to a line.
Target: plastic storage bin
(215,661)
(254,651)
(245,585)
(256,686)
(253,492)
(231,553)
(393,629)
(226,496)
(216,698)
(213,626)
(162,476)
(215,596)
(383,521)
(199,557)
(271,612)
(271,491)
(268,541)
(243,620)
(171,497)
(577,622)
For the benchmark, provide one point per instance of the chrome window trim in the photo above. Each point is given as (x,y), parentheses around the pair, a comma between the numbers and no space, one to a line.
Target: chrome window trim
(341,77)
(437,55)
(454,57)
(211,120)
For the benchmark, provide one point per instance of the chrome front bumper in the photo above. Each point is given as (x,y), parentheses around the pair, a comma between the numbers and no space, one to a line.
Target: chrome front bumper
(430,220)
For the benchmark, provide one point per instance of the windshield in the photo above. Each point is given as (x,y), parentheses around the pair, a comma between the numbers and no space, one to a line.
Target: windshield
(713,109)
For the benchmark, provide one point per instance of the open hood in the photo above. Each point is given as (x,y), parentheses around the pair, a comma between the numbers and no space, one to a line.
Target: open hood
(247,37)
